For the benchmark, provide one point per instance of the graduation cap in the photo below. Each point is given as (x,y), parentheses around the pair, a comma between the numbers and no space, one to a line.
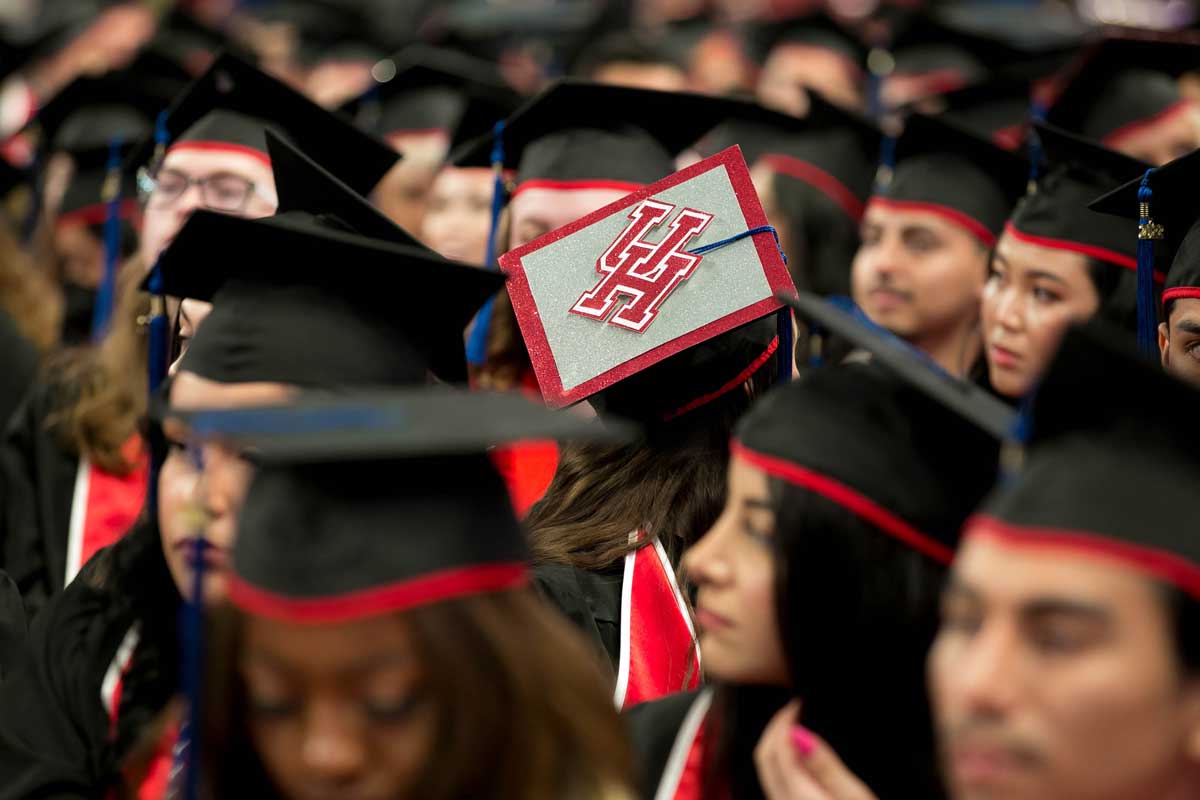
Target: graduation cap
(1164,202)
(578,133)
(188,42)
(326,29)
(1121,84)
(817,30)
(1114,480)
(654,304)
(376,504)
(326,293)
(898,442)
(1056,214)
(429,90)
(997,108)
(624,47)
(944,56)
(233,104)
(943,169)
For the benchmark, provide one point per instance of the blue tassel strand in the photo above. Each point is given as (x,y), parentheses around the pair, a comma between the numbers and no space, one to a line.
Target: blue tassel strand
(106,293)
(1148,233)
(477,341)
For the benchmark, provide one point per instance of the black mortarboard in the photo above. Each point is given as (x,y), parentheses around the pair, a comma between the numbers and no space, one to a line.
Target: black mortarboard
(325,293)
(897,442)
(812,30)
(946,56)
(949,171)
(187,41)
(1122,83)
(997,109)
(1171,218)
(1056,214)
(624,47)
(578,131)
(1115,480)
(429,89)
(326,29)
(233,104)
(373,505)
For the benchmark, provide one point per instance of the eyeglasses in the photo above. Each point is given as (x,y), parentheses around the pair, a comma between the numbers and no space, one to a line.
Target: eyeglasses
(222,191)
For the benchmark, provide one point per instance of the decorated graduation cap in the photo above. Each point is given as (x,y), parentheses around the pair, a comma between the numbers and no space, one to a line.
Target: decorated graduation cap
(1122,84)
(326,293)
(943,169)
(1167,208)
(376,504)
(232,105)
(1113,480)
(425,89)
(898,442)
(1055,213)
(654,305)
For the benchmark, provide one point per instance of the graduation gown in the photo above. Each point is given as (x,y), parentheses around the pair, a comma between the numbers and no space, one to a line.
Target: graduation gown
(667,736)
(12,623)
(20,361)
(57,509)
(636,613)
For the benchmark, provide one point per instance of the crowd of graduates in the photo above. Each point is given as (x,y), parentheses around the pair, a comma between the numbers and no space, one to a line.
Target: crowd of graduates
(676,399)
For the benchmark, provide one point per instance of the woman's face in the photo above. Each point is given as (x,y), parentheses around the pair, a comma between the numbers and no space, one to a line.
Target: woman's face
(733,566)
(403,192)
(1032,296)
(201,487)
(458,216)
(238,184)
(537,211)
(338,711)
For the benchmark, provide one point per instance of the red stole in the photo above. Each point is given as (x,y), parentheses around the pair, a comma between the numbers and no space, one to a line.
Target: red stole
(105,505)
(682,777)
(659,655)
(152,783)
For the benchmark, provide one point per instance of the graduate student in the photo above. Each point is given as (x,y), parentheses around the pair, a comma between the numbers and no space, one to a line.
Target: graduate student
(927,234)
(383,637)
(1175,218)
(102,664)
(820,579)
(1066,664)
(1058,262)
(74,469)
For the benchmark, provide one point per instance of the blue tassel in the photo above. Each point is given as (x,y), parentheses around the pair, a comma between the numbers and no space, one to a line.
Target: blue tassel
(1035,158)
(157,346)
(887,164)
(784,355)
(185,769)
(1012,454)
(477,341)
(1148,232)
(106,293)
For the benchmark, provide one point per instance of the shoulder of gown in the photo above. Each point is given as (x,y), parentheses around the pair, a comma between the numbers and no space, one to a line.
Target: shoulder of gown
(653,728)
(590,600)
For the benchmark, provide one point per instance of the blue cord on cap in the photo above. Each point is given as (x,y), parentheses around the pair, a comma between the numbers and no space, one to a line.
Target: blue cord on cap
(1148,233)
(477,340)
(111,195)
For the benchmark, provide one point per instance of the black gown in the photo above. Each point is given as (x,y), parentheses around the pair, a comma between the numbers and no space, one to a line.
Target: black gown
(20,361)
(591,600)
(12,624)
(653,729)
(58,737)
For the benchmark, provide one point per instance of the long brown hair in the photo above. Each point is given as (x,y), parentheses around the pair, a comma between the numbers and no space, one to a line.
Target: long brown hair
(28,294)
(524,709)
(104,387)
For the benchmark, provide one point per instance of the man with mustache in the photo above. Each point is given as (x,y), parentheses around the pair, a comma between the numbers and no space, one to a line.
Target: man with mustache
(927,234)
(1067,665)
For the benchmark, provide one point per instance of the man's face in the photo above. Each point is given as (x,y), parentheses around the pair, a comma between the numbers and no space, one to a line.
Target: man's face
(236,183)
(1179,340)
(794,70)
(917,274)
(403,192)
(1164,139)
(1054,676)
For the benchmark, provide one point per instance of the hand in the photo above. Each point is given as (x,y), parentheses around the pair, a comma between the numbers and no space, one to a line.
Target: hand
(795,764)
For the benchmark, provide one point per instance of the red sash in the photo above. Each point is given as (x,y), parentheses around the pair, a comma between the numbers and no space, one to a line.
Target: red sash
(682,777)
(659,654)
(153,783)
(105,505)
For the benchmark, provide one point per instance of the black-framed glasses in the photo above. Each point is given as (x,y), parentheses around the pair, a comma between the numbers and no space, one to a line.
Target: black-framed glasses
(221,191)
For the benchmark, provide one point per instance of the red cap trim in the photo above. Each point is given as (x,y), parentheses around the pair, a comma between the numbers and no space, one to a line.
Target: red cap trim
(741,378)
(971,225)
(221,147)
(817,178)
(1169,567)
(1116,138)
(1181,292)
(582,185)
(1092,251)
(848,499)
(426,589)
(98,214)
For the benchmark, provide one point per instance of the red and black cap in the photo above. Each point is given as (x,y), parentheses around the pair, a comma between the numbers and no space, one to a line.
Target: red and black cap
(327,293)
(1056,214)
(370,505)
(942,56)
(578,134)
(997,109)
(1114,480)
(1174,207)
(1122,84)
(232,105)
(897,442)
(944,169)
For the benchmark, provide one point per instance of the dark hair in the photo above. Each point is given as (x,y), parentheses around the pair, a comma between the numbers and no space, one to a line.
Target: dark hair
(822,238)
(524,709)
(1184,613)
(738,717)
(867,606)
(623,47)
(1117,290)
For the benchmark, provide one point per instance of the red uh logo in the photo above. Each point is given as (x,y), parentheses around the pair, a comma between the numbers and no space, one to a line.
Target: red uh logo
(640,275)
